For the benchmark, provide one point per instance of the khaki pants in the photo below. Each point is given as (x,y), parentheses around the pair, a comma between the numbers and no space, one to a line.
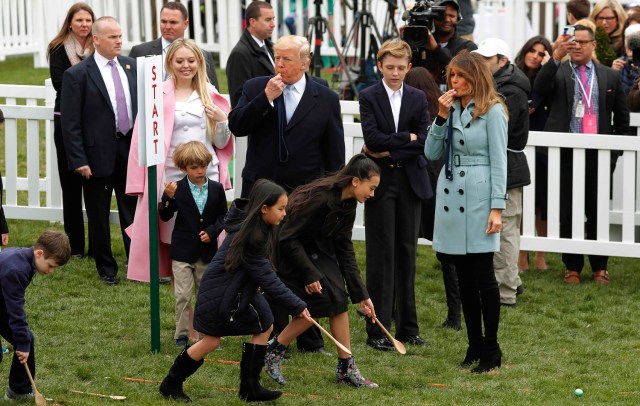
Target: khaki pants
(186,277)
(505,262)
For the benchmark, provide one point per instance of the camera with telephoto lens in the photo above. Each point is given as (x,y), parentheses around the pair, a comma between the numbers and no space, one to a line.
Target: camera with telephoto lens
(420,21)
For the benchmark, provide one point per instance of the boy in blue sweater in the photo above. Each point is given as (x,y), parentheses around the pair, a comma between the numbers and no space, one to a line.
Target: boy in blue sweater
(201,205)
(17,268)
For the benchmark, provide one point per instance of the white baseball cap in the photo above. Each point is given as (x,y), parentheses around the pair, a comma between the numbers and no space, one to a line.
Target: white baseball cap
(492,47)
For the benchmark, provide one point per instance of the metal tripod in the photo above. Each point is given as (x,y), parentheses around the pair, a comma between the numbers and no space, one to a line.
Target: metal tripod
(362,22)
(389,29)
(318,25)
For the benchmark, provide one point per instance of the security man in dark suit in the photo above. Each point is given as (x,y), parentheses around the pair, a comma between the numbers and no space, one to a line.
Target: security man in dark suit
(394,126)
(174,20)
(253,54)
(98,108)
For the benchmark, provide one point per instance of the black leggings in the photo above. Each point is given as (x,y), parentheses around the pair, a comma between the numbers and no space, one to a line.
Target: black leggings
(479,295)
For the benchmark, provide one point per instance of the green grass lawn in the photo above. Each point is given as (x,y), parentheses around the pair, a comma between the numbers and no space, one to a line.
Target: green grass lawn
(90,337)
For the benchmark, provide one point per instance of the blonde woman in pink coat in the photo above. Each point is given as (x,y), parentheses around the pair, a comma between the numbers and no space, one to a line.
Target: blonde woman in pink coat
(193,110)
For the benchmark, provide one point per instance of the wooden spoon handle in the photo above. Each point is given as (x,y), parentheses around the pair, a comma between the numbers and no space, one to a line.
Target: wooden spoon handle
(338,343)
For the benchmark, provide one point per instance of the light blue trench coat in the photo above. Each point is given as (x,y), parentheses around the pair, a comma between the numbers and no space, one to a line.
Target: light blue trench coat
(479,181)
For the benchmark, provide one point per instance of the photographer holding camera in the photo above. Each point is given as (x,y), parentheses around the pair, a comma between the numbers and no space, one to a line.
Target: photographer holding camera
(444,43)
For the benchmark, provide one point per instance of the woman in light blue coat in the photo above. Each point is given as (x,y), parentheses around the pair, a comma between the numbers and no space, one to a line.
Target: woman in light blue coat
(471,132)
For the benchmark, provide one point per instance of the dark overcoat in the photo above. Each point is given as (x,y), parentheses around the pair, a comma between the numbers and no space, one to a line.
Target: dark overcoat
(230,304)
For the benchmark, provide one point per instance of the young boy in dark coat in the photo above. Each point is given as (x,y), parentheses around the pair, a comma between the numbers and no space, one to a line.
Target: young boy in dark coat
(201,205)
(17,268)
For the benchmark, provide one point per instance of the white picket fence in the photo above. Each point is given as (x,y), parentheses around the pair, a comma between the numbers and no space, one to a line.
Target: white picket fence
(27,26)
(618,219)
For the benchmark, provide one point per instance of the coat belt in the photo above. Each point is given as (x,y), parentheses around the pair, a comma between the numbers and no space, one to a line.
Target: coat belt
(470,160)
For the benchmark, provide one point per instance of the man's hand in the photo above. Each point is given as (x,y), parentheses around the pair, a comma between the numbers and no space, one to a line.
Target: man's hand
(432,45)
(84,171)
(275,87)
(564,47)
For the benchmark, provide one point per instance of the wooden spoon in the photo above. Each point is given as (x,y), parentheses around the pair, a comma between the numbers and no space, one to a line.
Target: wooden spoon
(40,400)
(113,397)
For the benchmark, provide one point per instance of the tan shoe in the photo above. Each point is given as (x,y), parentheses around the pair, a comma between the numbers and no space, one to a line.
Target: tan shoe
(572,277)
(601,277)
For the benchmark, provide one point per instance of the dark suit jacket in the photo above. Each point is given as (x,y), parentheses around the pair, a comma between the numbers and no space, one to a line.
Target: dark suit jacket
(58,63)
(88,119)
(379,132)
(155,48)
(185,239)
(314,137)
(247,61)
(316,243)
(556,84)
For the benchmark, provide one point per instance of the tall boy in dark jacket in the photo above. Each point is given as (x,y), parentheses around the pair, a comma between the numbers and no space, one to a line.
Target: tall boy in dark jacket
(17,268)
(201,205)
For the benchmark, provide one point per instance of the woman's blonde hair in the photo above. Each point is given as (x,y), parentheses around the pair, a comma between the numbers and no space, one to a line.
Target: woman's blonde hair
(472,67)
(617,9)
(199,81)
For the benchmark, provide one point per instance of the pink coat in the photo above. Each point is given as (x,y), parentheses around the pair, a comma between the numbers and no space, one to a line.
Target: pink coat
(139,263)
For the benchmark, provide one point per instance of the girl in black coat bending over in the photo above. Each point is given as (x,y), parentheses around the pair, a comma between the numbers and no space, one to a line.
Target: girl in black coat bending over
(229,302)
(317,261)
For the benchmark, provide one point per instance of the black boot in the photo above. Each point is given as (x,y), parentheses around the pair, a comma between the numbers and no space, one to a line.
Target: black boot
(452,293)
(490,357)
(183,367)
(472,310)
(250,369)
(474,351)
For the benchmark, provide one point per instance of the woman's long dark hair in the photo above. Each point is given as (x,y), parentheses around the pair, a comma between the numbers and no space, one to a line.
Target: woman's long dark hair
(528,46)
(359,166)
(255,237)
(422,79)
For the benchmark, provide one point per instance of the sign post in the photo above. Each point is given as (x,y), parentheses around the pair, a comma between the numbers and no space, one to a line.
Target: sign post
(151,152)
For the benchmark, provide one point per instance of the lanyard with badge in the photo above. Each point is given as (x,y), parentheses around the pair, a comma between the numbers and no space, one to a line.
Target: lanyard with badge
(589,122)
